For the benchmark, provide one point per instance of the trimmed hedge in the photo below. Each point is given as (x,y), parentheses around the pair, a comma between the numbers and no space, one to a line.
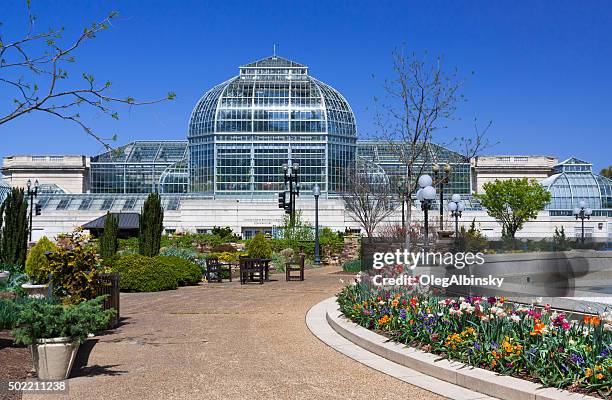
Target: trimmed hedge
(187,272)
(145,274)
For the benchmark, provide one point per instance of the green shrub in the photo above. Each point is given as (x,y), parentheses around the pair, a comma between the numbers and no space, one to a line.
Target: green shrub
(185,254)
(143,274)
(8,314)
(352,266)
(187,272)
(109,243)
(44,320)
(14,224)
(37,264)
(73,268)
(258,247)
(151,226)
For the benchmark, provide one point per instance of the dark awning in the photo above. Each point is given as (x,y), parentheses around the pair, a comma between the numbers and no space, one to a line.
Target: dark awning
(126,221)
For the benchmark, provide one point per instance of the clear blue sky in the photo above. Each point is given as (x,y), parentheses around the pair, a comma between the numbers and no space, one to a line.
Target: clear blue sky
(542,69)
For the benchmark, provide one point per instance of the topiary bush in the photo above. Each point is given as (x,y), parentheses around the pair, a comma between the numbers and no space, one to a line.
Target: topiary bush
(258,247)
(37,263)
(187,272)
(144,274)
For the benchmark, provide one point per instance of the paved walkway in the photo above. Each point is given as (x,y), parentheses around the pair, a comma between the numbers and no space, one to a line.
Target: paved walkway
(227,341)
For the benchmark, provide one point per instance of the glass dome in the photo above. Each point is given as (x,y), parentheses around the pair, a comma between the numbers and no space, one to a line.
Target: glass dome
(243,130)
(573,181)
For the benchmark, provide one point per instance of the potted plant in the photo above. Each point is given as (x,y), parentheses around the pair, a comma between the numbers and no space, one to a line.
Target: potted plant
(54,333)
(36,267)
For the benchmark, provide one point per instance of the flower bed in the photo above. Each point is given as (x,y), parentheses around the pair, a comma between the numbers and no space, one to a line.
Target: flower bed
(529,342)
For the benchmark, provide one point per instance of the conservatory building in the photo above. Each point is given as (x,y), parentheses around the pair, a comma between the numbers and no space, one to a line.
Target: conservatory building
(274,112)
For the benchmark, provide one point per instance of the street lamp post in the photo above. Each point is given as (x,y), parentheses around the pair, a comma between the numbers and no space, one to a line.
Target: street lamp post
(32,194)
(456,207)
(441,178)
(291,177)
(316,191)
(582,213)
(426,195)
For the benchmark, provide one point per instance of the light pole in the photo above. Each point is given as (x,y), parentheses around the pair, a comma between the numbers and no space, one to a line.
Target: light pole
(291,176)
(316,192)
(32,194)
(456,207)
(582,213)
(426,195)
(441,178)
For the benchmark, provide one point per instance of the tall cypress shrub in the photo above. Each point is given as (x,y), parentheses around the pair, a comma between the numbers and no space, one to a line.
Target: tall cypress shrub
(109,243)
(14,244)
(151,226)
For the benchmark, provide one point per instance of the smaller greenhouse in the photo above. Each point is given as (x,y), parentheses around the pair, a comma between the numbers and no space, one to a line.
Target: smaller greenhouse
(573,181)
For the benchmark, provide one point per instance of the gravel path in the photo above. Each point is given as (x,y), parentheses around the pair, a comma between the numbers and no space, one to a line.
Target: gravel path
(227,341)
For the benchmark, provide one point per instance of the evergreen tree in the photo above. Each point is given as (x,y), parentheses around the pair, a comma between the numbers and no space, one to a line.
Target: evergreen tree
(14,244)
(151,226)
(109,243)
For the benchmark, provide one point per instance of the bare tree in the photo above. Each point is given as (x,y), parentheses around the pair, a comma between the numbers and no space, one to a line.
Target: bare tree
(368,200)
(419,101)
(35,66)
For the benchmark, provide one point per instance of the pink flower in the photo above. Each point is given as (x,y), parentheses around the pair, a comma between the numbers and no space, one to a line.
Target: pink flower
(566,325)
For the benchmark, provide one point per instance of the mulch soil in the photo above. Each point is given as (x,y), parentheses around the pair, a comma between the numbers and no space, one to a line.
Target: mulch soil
(16,364)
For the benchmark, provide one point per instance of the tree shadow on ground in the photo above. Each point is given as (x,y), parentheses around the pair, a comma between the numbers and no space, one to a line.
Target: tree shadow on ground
(97,370)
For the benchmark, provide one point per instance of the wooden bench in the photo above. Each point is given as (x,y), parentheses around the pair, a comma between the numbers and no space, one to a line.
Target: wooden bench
(215,269)
(289,268)
(252,270)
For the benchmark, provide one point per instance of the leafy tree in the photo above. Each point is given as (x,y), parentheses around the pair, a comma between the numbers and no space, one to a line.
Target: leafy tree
(259,247)
(109,244)
(37,263)
(14,245)
(513,202)
(36,67)
(151,226)
(607,172)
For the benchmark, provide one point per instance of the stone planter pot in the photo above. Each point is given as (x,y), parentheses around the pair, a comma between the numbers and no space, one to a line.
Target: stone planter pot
(36,291)
(4,275)
(53,358)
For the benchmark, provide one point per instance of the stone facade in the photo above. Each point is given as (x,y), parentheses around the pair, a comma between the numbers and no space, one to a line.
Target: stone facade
(489,168)
(69,173)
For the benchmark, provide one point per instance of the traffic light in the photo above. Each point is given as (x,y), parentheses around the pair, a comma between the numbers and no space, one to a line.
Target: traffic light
(38,209)
(281,200)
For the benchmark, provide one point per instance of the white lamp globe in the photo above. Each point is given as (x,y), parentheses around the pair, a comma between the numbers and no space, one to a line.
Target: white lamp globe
(456,198)
(419,194)
(582,204)
(588,211)
(452,206)
(429,193)
(576,211)
(460,206)
(316,190)
(425,180)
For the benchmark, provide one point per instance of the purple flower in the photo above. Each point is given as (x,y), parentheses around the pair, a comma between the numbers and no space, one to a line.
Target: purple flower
(477,346)
(402,313)
(576,359)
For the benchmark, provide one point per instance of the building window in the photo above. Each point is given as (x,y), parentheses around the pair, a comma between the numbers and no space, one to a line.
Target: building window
(129,203)
(63,204)
(85,203)
(107,204)
(170,231)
